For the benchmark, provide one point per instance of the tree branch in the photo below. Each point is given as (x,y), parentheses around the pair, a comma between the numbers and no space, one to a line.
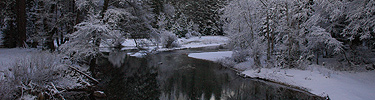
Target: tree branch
(91,78)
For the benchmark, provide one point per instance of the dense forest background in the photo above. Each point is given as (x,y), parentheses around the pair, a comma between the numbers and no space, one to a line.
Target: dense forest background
(45,22)
(287,31)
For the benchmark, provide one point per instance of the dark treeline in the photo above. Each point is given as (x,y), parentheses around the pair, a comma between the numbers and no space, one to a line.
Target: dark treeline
(47,23)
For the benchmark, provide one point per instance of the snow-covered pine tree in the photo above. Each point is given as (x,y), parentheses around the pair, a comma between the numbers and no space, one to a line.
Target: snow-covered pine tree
(49,21)
(361,19)
(297,12)
(242,25)
(350,21)
(168,38)
(104,22)
(320,40)
(205,13)
(8,21)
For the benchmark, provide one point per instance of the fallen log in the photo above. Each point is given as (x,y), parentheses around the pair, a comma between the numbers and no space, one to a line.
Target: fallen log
(57,91)
(91,78)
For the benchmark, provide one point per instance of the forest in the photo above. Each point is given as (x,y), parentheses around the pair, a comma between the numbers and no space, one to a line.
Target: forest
(285,31)
(338,34)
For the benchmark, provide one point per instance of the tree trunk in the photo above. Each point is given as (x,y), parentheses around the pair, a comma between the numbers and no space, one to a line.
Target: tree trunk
(50,40)
(272,43)
(290,43)
(105,7)
(21,22)
(317,58)
(97,38)
(268,37)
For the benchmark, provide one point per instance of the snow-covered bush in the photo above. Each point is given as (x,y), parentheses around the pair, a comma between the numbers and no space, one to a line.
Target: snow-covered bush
(34,73)
(39,68)
(228,62)
(192,30)
(7,89)
(190,34)
(84,43)
(240,55)
(168,39)
(243,27)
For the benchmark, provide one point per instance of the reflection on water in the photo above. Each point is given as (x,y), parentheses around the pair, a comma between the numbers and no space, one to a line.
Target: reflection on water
(175,76)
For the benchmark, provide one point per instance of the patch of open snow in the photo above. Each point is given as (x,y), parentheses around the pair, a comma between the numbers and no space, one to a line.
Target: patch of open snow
(212,56)
(321,81)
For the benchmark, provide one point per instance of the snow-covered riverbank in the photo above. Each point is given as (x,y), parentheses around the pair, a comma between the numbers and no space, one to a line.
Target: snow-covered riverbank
(35,71)
(338,85)
(184,43)
(193,42)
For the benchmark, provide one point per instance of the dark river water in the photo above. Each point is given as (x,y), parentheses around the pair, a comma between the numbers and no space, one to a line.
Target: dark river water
(175,76)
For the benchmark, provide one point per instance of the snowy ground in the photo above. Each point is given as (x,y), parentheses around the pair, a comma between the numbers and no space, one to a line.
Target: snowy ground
(31,67)
(193,42)
(10,56)
(338,85)
(204,41)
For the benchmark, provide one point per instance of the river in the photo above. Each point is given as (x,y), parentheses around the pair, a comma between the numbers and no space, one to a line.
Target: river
(174,76)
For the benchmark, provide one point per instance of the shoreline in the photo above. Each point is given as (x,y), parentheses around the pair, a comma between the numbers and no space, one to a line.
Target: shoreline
(241,74)
(316,79)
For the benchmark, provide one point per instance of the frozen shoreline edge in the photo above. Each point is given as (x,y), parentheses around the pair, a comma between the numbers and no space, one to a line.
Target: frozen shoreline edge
(241,74)
(317,80)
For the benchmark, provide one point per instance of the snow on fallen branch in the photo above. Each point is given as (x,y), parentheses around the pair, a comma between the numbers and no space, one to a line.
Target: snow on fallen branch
(57,91)
(91,78)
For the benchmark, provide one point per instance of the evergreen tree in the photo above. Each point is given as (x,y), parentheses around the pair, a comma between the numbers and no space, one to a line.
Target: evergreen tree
(21,22)
(112,20)
(8,25)
(9,37)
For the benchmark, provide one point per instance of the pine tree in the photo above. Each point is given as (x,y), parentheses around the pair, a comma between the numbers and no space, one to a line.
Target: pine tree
(9,28)
(112,21)
(9,38)
(21,22)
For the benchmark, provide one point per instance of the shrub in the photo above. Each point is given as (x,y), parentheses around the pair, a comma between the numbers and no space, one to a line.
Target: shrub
(34,73)
(168,39)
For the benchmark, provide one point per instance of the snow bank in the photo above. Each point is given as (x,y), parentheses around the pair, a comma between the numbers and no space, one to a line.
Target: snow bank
(138,54)
(204,41)
(193,42)
(338,85)
(212,56)
(322,81)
